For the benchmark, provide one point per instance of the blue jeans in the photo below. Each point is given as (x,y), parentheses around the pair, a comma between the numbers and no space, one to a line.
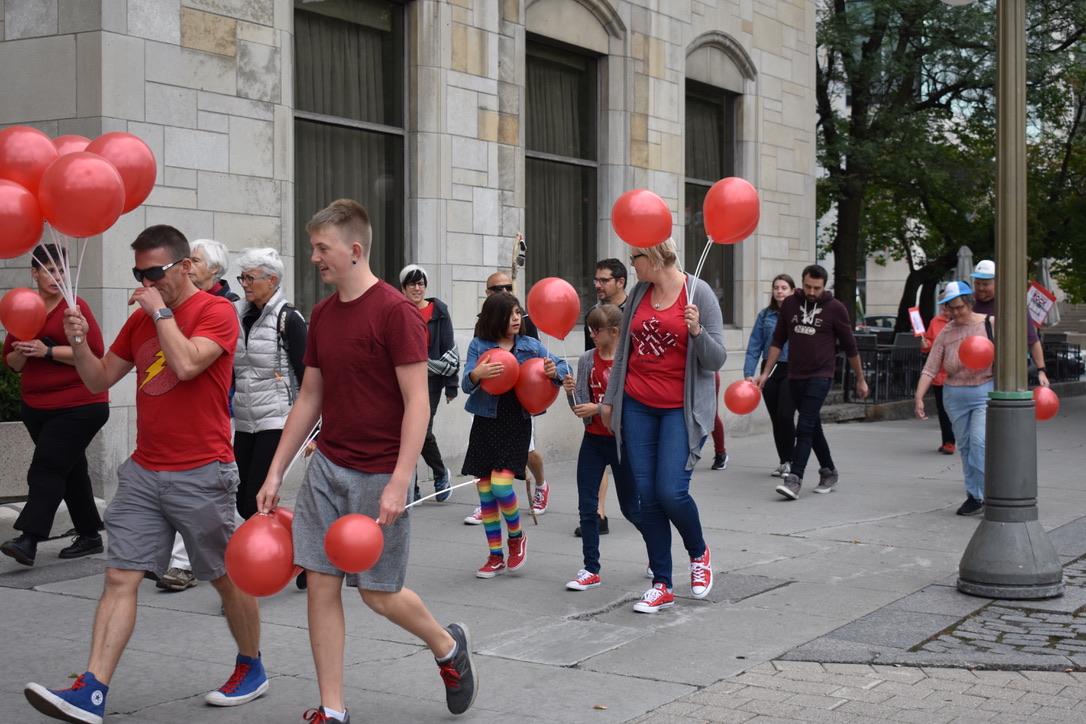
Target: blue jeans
(655,446)
(597,452)
(808,396)
(967,408)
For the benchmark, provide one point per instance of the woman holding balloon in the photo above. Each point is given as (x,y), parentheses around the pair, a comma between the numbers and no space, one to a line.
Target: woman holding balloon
(661,404)
(969,379)
(778,398)
(502,425)
(62,417)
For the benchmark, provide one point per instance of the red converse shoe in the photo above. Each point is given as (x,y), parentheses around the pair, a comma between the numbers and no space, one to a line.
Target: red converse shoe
(539,500)
(701,575)
(656,598)
(585,580)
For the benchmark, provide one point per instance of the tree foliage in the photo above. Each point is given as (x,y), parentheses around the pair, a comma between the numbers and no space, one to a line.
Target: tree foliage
(906,123)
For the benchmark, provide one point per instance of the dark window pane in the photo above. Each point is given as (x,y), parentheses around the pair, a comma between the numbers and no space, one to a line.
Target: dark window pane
(335,162)
(561,108)
(561,224)
(719,268)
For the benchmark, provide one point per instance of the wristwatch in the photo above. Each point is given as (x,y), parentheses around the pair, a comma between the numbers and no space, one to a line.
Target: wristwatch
(163,313)
(1042,369)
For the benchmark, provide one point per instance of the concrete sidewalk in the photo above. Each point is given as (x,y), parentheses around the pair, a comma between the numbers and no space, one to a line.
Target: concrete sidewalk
(837,607)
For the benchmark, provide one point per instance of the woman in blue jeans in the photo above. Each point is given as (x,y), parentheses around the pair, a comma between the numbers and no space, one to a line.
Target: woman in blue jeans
(661,403)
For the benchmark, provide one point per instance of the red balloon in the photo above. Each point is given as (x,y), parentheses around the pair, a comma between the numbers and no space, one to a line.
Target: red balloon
(133,159)
(20,220)
(507,379)
(260,556)
(554,306)
(70,144)
(25,153)
(535,390)
(976,352)
(22,312)
(731,210)
(81,194)
(641,218)
(1046,403)
(742,397)
(354,543)
(284,517)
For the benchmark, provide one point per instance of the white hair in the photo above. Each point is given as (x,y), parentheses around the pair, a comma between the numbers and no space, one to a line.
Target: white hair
(214,254)
(263,258)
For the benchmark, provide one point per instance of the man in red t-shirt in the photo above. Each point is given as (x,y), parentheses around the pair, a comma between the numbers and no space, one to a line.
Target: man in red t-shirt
(365,371)
(181,476)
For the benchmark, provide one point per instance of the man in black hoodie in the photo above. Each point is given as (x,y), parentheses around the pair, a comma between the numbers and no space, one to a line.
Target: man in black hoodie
(812,322)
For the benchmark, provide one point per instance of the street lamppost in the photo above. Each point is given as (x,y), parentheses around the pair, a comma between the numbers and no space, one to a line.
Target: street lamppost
(1010,555)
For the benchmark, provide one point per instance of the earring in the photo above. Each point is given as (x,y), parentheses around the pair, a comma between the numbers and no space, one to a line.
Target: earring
(354,261)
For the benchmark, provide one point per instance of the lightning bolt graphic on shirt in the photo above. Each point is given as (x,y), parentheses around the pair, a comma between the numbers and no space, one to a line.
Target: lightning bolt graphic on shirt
(155,367)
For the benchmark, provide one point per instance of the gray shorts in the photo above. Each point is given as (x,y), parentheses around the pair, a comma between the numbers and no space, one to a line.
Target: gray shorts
(330,492)
(150,505)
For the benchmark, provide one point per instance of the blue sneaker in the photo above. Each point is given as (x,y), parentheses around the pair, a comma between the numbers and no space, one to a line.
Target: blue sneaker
(247,683)
(441,485)
(84,703)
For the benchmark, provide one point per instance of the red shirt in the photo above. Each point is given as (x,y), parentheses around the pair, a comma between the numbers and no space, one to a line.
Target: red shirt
(357,346)
(49,385)
(597,386)
(427,314)
(658,342)
(181,425)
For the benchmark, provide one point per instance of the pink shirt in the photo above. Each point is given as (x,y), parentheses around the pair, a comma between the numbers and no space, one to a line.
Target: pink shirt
(944,353)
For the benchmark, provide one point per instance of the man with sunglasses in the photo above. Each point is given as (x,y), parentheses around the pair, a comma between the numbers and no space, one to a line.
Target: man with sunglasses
(181,476)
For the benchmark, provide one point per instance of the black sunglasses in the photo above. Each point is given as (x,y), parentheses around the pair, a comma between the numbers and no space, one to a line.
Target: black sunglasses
(500,288)
(153,273)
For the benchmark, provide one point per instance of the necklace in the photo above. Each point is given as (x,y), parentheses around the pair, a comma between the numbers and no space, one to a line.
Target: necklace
(663,296)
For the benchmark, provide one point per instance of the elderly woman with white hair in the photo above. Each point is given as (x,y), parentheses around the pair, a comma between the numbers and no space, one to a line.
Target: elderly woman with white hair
(443,366)
(268,369)
(210,262)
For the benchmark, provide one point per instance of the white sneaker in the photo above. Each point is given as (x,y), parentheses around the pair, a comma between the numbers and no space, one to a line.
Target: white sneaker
(782,470)
(475,518)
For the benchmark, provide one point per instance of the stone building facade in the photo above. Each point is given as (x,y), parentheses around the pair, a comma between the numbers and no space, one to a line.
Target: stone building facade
(459,123)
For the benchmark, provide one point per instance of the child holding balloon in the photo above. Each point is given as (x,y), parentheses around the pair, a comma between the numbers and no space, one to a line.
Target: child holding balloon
(502,426)
(598,446)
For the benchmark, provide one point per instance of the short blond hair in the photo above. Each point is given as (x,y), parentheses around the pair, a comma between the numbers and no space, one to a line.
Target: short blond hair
(349,218)
(662,255)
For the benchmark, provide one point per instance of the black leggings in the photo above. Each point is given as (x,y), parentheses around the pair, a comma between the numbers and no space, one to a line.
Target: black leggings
(58,470)
(782,411)
(254,452)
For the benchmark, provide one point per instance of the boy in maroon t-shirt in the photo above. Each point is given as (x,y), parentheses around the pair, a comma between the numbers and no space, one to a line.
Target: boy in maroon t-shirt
(365,368)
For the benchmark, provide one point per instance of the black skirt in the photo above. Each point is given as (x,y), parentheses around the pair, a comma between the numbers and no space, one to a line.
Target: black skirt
(499,443)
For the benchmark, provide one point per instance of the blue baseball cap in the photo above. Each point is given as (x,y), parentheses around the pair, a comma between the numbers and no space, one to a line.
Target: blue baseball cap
(985,269)
(954,290)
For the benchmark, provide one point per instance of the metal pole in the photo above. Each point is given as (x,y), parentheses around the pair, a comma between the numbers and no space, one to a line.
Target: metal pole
(1010,555)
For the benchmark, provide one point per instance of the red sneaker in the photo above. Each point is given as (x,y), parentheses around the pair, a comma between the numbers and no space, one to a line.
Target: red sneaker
(657,597)
(947,448)
(701,575)
(495,564)
(539,500)
(518,551)
(585,580)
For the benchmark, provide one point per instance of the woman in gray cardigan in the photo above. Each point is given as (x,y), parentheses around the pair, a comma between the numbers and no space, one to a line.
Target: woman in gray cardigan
(661,403)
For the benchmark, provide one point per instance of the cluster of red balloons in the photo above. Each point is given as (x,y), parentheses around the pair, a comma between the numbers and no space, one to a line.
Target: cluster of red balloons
(22,313)
(742,397)
(976,352)
(731,210)
(534,389)
(80,186)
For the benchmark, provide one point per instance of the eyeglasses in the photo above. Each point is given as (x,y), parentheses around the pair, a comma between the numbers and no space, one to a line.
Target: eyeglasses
(501,288)
(596,330)
(955,307)
(153,273)
(249,279)
(601,282)
(635,257)
(420,284)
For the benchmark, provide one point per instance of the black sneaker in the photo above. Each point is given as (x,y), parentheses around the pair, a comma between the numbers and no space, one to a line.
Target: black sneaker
(458,672)
(22,549)
(82,545)
(604,528)
(720,461)
(971,506)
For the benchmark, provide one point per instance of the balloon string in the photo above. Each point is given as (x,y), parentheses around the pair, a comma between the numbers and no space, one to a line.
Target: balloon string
(442,492)
(75,286)
(308,439)
(565,356)
(697,270)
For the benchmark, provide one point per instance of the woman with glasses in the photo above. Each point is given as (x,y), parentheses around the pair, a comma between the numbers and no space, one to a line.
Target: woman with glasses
(268,369)
(209,265)
(965,390)
(443,366)
(62,417)
(661,404)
